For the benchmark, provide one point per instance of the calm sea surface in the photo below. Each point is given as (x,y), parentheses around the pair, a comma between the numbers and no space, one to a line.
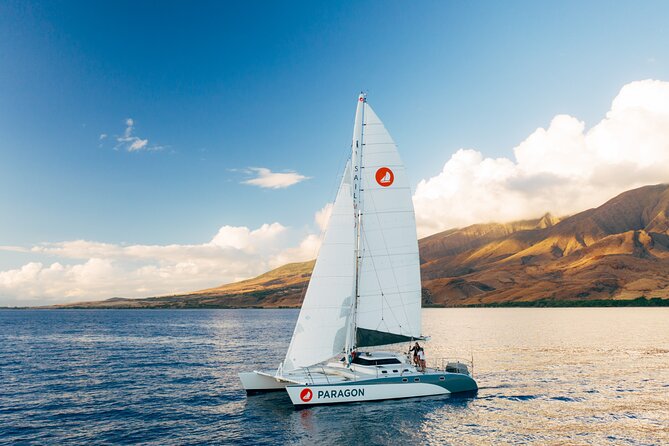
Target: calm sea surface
(547,376)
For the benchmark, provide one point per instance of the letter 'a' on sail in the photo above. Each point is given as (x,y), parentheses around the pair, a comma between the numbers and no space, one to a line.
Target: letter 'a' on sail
(389,302)
(320,332)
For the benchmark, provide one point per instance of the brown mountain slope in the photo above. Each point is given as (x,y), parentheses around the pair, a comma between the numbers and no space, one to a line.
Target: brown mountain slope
(619,250)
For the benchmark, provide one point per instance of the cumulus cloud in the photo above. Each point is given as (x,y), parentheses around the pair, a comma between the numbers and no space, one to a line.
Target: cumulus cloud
(242,238)
(322,216)
(562,169)
(89,270)
(37,280)
(306,250)
(131,142)
(273,180)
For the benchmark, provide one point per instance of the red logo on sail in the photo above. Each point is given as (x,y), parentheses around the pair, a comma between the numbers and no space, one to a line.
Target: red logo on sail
(306,395)
(385,177)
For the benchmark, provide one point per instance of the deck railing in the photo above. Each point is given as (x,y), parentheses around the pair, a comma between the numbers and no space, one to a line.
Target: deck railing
(446,364)
(315,369)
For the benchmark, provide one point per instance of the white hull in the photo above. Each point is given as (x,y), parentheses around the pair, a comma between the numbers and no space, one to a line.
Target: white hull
(258,382)
(310,395)
(254,382)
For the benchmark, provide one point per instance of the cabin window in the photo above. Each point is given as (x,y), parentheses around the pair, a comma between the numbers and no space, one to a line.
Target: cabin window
(416,379)
(384,371)
(405,380)
(385,361)
(442,378)
(394,371)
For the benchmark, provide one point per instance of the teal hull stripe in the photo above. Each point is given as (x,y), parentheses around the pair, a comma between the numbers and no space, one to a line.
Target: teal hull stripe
(453,382)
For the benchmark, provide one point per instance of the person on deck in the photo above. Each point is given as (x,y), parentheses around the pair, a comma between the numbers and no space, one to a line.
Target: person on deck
(415,349)
(421,359)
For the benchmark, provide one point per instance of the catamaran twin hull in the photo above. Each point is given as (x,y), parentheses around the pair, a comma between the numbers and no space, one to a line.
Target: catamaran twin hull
(369,376)
(395,387)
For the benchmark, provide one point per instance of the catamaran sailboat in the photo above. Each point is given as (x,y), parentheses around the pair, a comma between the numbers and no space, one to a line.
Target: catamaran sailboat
(365,291)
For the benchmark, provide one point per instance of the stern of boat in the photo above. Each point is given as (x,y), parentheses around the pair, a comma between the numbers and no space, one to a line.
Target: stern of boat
(260,382)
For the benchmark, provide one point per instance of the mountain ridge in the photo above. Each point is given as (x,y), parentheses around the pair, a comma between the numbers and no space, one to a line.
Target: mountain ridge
(618,251)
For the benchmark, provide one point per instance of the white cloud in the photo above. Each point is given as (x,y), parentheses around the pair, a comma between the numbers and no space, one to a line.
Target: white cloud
(89,270)
(35,280)
(310,244)
(322,217)
(240,237)
(562,169)
(274,180)
(306,250)
(130,142)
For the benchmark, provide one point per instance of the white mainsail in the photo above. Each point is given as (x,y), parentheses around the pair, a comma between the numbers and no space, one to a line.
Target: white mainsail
(389,302)
(320,332)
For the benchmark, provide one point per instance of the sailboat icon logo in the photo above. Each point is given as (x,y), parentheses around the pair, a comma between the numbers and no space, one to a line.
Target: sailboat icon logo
(385,177)
(306,395)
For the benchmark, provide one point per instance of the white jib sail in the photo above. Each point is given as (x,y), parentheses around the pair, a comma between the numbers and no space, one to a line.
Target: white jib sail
(320,332)
(389,284)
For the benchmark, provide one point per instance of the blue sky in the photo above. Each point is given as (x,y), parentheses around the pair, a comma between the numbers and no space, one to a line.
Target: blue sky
(218,87)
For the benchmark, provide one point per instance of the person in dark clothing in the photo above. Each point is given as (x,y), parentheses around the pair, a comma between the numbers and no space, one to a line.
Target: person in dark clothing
(415,349)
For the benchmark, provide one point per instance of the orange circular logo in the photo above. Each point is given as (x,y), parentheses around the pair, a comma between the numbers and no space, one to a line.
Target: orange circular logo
(306,395)
(385,177)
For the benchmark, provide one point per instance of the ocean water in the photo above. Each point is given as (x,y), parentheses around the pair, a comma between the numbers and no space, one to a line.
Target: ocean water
(547,376)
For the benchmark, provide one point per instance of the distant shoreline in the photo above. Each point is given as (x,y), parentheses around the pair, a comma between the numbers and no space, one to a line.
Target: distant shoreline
(601,303)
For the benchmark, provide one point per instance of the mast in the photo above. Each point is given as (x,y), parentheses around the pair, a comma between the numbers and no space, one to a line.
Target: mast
(356,156)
